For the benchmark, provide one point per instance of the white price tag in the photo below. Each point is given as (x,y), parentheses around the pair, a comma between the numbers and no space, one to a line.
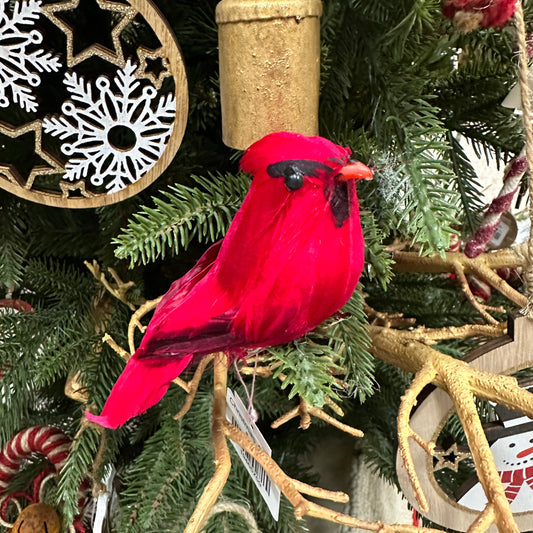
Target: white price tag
(103,501)
(237,415)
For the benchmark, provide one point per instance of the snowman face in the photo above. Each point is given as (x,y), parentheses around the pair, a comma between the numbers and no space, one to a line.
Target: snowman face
(514,452)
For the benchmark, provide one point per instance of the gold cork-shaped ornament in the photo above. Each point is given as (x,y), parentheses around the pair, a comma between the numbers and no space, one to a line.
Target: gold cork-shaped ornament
(269,68)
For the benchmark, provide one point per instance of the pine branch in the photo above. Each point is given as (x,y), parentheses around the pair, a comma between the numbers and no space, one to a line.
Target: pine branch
(308,369)
(164,479)
(186,213)
(431,202)
(467,185)
(377,259)
(61,284)
(349,339)
(14,244)
(164,462)
(79,463)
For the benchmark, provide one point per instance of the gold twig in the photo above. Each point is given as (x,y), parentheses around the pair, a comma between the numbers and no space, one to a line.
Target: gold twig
(487,472)
(222,458)
(430,335)
(283,419)
(334,407)
(483,520)
(482,266)
(397,348)
(302,506)
(388,320)
(440,264)
(323,494)
(192,386)
(118,349)
(463,383)
(305,417)
(335,423)
(318,511)
(459,271)
(261,371)
(118,289)
(498,283)
(304,410)
(135,320)
(422,378)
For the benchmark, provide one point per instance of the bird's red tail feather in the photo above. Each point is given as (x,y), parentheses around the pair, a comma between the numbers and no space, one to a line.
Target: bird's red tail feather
(141,385)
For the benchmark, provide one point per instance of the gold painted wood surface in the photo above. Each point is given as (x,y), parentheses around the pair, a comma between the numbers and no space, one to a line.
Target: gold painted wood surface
(269,54)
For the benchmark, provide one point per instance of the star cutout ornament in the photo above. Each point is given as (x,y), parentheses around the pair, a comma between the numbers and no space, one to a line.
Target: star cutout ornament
(124,13)
(153,65)
(47,165)
(450,458)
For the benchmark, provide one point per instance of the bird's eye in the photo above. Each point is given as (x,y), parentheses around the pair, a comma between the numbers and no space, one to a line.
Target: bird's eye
(293,178)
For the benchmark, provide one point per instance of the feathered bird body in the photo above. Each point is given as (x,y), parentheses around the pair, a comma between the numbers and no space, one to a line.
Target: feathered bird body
(291,258)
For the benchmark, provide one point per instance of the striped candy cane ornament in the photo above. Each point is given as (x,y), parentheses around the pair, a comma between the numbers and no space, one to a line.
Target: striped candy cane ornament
(491,219)
(48,441)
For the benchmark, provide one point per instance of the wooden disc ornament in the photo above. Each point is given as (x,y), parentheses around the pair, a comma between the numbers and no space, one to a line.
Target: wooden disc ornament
(93,99)
(511,442)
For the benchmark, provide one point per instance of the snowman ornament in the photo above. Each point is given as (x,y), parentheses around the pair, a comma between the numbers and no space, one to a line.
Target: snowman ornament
(512,448)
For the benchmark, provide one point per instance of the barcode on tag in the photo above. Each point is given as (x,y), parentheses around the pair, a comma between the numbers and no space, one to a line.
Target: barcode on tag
(237,415)
(499,234)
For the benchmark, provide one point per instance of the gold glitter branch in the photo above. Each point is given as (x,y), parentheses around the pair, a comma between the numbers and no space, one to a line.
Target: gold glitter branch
(117,287)
(292,489)
(463,383)
(302,410)
(483,267)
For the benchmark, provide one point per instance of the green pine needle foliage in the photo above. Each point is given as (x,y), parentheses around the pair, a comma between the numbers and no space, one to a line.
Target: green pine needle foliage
(315,366)
(467,186)
(348,338)
(165,457)
(405,91)
(79,463)
(378,263)
(40,347)
(185,213)
(309,368)
(13,245)
(377,419)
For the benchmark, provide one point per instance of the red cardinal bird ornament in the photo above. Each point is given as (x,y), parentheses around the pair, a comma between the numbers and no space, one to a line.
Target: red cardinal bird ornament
(291,258)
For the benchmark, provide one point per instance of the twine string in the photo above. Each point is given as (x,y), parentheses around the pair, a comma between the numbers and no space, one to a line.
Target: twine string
(234,507)
(525,94)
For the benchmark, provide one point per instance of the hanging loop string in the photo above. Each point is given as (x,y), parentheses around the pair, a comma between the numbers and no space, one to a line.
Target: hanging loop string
(525,94)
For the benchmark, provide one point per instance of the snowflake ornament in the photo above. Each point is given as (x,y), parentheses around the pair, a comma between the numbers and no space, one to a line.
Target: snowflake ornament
(96,127)
(17,64)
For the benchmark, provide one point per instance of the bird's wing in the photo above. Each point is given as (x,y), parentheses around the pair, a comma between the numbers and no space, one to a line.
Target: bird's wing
(213,335)
(181,287)
(195,316)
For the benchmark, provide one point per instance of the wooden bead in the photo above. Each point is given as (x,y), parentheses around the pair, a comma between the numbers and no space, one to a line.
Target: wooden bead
(37,518)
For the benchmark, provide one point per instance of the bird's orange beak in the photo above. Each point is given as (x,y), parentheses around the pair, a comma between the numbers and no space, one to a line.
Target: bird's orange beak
(354,170)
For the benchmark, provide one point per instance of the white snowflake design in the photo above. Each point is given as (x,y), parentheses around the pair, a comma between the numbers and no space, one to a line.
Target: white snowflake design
(91,121)
(17,64)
